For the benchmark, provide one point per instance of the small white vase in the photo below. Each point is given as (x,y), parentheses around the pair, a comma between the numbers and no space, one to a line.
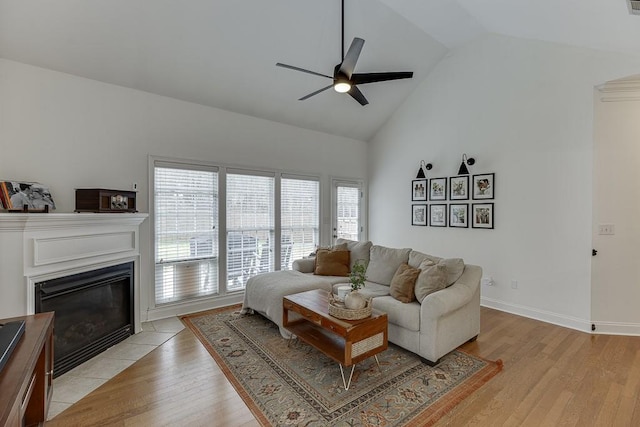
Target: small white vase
(354,300)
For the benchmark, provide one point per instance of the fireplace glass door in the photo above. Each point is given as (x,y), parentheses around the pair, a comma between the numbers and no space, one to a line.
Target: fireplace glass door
(93,311)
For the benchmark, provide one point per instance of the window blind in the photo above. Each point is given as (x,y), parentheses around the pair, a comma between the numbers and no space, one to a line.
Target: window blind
(186,233)
(300,218)
(250,227)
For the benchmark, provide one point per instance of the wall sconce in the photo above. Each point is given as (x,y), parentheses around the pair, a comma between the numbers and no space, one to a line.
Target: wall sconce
(463,166)
(427,166)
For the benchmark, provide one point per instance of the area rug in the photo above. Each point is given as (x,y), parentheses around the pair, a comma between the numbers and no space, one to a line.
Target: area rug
(291,384)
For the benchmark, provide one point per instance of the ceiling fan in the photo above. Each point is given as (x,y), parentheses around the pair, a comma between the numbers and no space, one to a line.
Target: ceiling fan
(344,79)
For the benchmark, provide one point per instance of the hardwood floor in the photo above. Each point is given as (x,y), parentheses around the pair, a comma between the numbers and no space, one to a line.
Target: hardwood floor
(552,376)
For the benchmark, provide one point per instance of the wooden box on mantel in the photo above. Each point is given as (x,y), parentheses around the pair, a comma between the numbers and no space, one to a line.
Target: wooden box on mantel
(103,200)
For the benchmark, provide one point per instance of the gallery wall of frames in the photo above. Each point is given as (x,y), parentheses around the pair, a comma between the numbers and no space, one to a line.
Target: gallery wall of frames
(458,201)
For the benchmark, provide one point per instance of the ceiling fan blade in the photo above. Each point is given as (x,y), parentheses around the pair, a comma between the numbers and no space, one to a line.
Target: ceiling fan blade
(364,78)
(358,96)
(350,59)
(315,93)
(291,67)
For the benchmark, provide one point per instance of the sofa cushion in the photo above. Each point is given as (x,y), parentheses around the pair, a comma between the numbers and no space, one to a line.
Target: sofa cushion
(304,265)
(403,283)
(383,263)
(332,263)
(398,313)
(369,290)
(331,279)
(433,277)
(359,250)
(455,266)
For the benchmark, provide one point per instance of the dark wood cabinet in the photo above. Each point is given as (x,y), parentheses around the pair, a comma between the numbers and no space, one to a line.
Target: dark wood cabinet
(26,381)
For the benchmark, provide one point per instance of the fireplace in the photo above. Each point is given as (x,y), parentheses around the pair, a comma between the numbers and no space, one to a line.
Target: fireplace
(93,311)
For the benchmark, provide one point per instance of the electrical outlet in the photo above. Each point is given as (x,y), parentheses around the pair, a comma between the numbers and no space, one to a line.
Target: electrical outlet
(514,284)
(607,229)
(134,186)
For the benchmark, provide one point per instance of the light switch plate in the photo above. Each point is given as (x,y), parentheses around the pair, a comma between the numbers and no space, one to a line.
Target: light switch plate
(607,229)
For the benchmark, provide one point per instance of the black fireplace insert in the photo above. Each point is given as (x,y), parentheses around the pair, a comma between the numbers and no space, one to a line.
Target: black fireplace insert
(93,311)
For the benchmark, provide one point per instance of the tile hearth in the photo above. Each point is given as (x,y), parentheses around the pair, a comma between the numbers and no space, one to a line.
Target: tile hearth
(82,380)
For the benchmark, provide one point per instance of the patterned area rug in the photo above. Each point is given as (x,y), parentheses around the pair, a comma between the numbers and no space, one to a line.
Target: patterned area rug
(290,385)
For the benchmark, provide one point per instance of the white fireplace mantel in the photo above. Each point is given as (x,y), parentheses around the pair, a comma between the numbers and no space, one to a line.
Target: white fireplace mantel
(41,246)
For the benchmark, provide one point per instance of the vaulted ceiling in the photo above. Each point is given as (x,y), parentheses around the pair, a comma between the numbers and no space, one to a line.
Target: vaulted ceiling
(222,53)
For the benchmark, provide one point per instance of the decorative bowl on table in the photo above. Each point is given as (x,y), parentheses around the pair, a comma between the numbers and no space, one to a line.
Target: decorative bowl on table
(338,309)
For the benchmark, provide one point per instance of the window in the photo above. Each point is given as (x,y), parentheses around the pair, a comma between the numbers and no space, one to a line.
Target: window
(300,215)
(268,220)
(347,210)
(186,235)
(250,227)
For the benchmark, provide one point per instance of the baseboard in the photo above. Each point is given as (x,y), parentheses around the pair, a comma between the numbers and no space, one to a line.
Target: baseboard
(542,315)
(617,328)
(192,307)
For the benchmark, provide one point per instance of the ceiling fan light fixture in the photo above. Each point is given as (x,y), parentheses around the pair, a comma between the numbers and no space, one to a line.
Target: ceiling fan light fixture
(342,87)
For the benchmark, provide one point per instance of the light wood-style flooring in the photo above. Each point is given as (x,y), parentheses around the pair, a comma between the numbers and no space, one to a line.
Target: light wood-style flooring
(552,376)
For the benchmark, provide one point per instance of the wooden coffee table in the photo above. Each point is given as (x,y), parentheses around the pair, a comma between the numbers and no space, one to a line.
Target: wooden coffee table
(345,341)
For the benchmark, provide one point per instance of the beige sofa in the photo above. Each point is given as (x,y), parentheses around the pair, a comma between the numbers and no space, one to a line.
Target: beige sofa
(444,319)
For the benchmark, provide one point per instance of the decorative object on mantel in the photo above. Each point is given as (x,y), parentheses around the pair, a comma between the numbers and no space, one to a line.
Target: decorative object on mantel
(463,166)
(26,197)
(103,200)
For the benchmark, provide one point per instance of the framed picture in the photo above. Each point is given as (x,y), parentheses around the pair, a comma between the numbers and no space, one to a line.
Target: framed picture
(459,215)
(419,190)
(438,215)
(33,195)
(438,189)
(482,215)
(419,215)
(459,187)
(483,186)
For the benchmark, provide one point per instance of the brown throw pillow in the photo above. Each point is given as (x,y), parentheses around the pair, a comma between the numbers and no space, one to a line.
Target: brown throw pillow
(432,278)
(403,282)
(332,263)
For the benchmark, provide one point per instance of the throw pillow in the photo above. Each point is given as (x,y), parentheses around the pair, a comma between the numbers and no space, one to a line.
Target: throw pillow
(359,250)
(384,262)
(432,278)
(403,283)
(338,247)
(455,266)
(332,263)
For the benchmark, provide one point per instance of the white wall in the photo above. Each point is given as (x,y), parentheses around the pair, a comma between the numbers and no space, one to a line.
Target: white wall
(616,276)
(71,132)
(524,110)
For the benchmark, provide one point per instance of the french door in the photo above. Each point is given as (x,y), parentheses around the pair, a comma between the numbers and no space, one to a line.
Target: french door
(347,216)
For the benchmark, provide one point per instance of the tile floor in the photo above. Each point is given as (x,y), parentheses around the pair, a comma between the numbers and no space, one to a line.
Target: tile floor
(82,380)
